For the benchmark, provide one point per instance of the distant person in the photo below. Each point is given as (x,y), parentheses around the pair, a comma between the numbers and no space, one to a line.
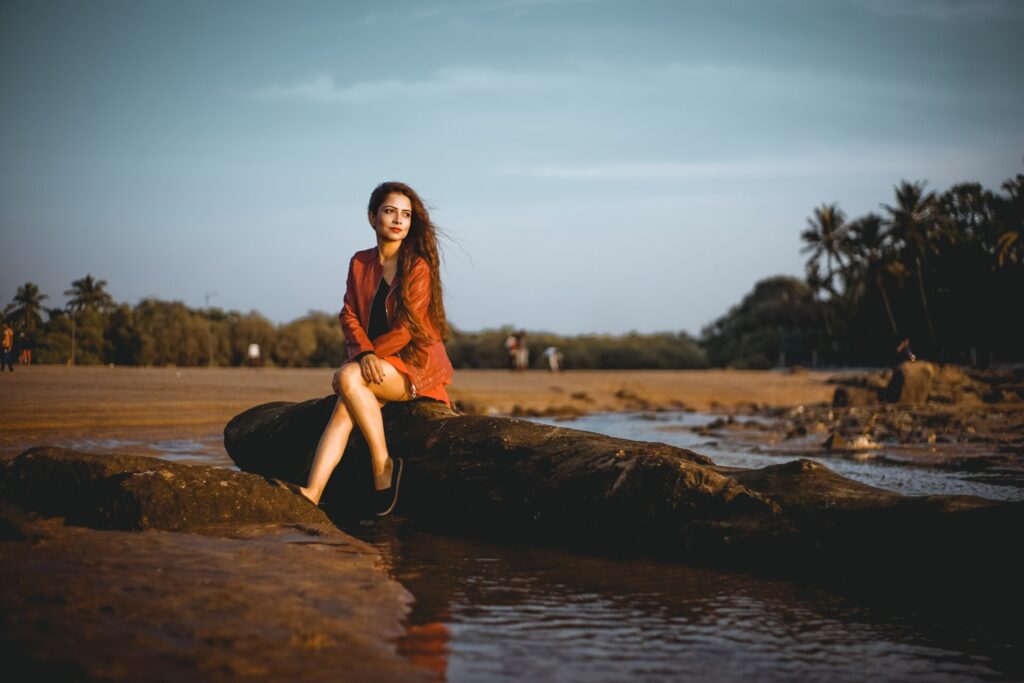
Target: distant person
(254,355)
(512,349)
(904,352)
(25,345)
(8,349)
(394,323)
(522,351)
(553,357)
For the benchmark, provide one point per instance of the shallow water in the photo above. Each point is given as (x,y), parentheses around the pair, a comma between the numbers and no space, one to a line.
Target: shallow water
(673,428)
(511,612)
(205,450)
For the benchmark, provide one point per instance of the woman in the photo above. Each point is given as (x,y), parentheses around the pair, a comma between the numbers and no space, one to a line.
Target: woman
(394,323)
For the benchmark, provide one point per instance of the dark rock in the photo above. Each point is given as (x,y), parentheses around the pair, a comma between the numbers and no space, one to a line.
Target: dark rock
(916,382)
(483,473)
(268,589)
(560,411)
(111,491)
(911,383)
(844,397)
(510,478)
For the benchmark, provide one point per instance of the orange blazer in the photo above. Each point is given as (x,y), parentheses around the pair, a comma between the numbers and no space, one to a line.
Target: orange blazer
(428,368)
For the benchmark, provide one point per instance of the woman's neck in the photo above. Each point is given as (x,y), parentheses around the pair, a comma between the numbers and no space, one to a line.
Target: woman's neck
(387,251)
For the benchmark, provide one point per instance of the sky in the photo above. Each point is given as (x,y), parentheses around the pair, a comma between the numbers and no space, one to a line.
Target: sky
(599,166)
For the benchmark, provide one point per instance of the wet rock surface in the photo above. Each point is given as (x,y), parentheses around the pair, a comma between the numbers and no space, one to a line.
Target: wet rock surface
(920,382)
(111,491)
(129,568)
(969,421)
(509,478)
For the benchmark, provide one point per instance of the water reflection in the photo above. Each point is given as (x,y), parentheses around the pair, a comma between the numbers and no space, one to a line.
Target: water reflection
(492,612)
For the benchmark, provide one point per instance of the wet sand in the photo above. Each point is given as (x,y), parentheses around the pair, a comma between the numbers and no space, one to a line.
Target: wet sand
(130,409)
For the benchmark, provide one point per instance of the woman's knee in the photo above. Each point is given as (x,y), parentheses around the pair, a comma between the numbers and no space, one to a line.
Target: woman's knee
(350,379)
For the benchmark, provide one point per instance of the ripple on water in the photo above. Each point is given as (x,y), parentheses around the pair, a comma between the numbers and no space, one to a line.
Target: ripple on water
(514,613)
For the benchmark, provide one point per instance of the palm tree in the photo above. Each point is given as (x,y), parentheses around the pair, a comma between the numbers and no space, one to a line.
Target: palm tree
(1014,223)
(89,293)
(26,306)
(823,237)
(914,224)
(868,240)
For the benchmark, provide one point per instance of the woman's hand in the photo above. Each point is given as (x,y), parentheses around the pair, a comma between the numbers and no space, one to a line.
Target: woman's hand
(373,368)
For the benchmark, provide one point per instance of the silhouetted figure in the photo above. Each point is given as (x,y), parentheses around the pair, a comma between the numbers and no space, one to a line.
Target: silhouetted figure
(25,346)
(8,349)
(904,352)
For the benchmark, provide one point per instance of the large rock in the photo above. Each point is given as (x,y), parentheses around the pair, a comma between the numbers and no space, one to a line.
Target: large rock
(266,603)
(111,491)
(509,478)
(913,383)
(267,589)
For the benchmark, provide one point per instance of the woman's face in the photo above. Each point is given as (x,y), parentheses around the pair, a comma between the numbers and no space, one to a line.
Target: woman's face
(393,219)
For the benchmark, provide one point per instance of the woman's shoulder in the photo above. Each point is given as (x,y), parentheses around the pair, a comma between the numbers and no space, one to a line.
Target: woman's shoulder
(366,255)
(361,260)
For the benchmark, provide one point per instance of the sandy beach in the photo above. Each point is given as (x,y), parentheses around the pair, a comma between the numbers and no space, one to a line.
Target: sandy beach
(129,409)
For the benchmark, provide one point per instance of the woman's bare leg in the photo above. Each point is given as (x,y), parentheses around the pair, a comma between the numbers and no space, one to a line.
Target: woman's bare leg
(364,403)
(328,451)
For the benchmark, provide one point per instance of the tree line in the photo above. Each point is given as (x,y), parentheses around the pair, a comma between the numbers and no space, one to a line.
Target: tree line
(945,270)
(93,329)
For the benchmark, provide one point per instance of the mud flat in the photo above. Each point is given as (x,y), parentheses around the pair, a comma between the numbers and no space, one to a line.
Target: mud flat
(182,411)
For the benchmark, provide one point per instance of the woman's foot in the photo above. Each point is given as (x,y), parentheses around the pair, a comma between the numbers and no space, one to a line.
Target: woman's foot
(387,499)
(294,488)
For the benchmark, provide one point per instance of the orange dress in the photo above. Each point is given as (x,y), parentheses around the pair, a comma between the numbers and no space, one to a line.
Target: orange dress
(438,393)
(364,280)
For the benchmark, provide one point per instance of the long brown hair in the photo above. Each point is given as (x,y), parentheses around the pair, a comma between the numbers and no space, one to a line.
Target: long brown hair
(420,242)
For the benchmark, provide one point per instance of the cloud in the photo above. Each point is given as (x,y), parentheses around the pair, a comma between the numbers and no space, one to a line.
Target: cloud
(444,81)
(947,10)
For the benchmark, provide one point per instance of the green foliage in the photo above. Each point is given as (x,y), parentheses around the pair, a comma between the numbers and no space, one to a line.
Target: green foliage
(24,311)
(54,346)
(155,332)
(778,320)
(89,293)
(944,269)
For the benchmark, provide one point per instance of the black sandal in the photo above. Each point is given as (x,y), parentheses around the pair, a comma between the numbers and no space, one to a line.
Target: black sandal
(388,498)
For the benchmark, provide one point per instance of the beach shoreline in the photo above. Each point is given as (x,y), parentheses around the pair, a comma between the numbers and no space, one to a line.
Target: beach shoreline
(127,408)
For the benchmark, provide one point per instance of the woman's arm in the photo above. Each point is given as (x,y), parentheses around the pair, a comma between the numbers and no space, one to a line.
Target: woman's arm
(355,335)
